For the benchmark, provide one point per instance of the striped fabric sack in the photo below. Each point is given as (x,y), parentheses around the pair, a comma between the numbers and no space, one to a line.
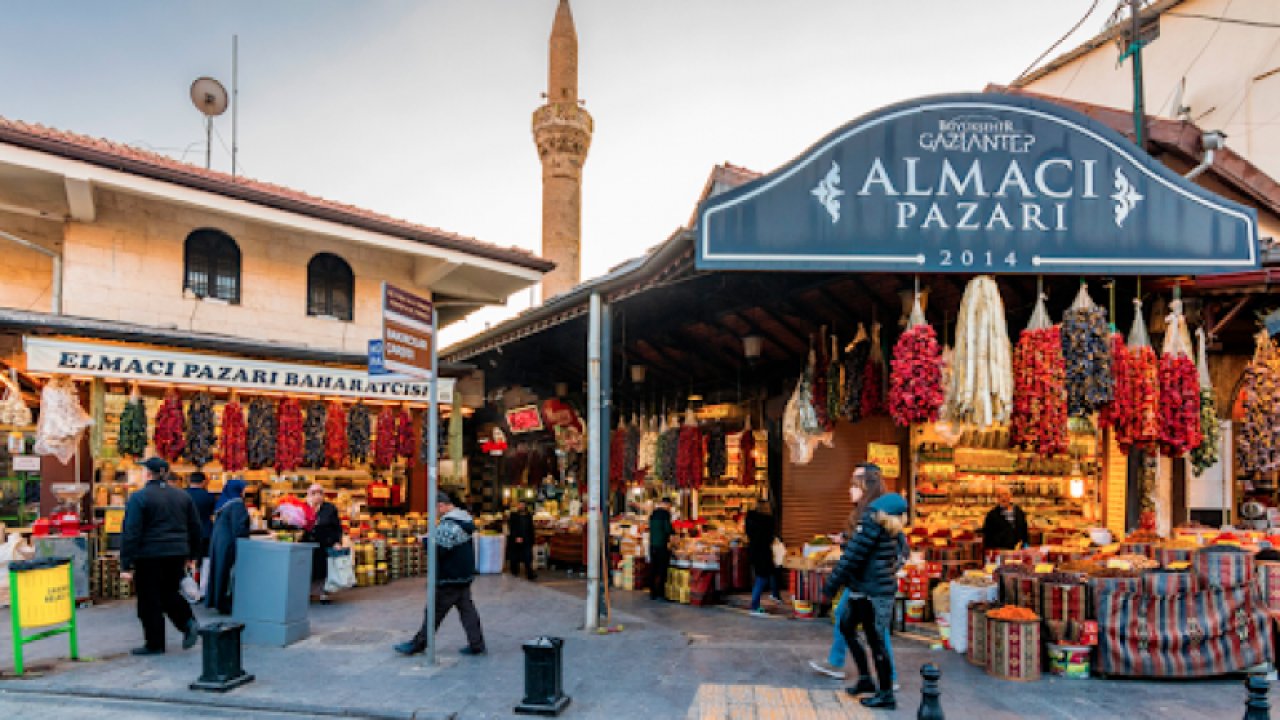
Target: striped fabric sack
(1187,635)
(1137,548)
(1269,581)
(1166,555)
(1169,583)
(1064,601)
(1224,566)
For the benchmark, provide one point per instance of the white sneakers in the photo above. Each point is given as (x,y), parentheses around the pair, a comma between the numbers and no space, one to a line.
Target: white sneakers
(827,669)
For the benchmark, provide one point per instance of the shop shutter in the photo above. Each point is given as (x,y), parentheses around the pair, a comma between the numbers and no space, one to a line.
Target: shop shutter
(815,497)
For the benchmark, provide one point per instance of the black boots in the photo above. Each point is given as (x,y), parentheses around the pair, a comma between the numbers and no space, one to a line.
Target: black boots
(881,700)
(865,685)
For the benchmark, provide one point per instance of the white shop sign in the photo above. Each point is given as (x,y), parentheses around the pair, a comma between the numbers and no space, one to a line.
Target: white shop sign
(128,363)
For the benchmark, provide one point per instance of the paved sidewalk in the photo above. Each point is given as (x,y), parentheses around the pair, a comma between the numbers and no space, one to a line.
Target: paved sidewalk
(670,661)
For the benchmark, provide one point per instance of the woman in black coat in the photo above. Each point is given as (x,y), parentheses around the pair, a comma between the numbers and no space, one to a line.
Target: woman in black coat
(761,530)
(326,533)
(230,523)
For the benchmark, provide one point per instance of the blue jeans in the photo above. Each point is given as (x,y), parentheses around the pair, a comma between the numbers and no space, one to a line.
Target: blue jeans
(840,649)
(757,589)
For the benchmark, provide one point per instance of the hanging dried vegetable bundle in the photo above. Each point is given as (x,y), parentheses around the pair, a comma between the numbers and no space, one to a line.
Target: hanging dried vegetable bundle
(1206,454)
(63,422)
(818,382)
(747,455)
(169,427)
(853,366)
(631,451)
(717,451)
(384,445)
(1258,445)
(233,444)
(313,435)
(835,382)
(981,390)
(358,433)
(1086,350)
(1179,389)
(801,430)
(98,412)
(200,433)
(664,463)
(132,441)
(404,435)
(690,462)
(648,447)
(335,436)
(617,457)
(1039,417)
(1134,410)
(915,384)
(13,409)
(262,433)
(288,435)
(873,379)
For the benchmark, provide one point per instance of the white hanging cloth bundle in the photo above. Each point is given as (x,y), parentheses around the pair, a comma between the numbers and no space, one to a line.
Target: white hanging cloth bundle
(62,420)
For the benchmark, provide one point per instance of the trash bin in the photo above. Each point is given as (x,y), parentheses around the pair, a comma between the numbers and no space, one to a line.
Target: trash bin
(543,677)
(42,594)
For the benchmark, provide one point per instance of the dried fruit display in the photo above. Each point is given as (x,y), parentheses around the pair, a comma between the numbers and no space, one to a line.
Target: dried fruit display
(690,466)
(233,445)
(915,383)
(981,390)
(1206,454)
(872,394)
(358,433)
(1039,417)
(384,444)
(1086,351)
(200,433)
(1258,444)
(1179,390)
(170,440)
(313,435)
(288,435)
(132,441)
(404,435)
(262,433)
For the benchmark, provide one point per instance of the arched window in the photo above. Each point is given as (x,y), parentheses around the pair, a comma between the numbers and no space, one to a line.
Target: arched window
(330,286)
(212,266)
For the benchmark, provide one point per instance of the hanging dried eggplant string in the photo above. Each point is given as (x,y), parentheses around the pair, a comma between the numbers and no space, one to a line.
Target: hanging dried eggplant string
(1039,417)
(854,365)
(358,433)
(1086,350)
(233,442)
(1206,454)
(835,382)
(262,433)
(132,441)
(1258,444)
(169,427)
(915,384)
(200,431)
(981,391)
(313,435)
(1179,388)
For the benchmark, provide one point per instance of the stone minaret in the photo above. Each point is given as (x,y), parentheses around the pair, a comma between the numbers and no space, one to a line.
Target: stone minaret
(562,130)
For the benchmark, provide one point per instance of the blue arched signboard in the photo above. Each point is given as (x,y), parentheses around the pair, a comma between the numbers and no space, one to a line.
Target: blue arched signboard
(976,183)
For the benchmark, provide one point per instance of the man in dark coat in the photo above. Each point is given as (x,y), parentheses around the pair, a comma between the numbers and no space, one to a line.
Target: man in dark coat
(1006,524)
(204,501)
(761,530)
(456,555)
(660,531)
(520,538)
(161,537)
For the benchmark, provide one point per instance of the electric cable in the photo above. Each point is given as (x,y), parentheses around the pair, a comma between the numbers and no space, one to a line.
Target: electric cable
(1043,55)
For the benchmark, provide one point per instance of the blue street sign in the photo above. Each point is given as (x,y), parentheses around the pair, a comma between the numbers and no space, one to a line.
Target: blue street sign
(376,364)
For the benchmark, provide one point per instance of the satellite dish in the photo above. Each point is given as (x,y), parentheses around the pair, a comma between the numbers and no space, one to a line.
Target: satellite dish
(209,97)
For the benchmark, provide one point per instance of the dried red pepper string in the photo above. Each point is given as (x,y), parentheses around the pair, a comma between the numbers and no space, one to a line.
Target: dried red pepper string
(1039,419)
(170,427)
(1179,405)
(288,435)
(915,382)
(233,450)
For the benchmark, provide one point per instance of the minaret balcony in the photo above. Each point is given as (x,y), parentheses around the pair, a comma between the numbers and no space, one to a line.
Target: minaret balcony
(562,116)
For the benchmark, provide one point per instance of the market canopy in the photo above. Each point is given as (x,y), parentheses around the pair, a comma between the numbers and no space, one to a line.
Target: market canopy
(976,183)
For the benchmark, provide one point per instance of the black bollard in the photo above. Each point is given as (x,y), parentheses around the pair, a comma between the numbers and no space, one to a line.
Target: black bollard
(221,670)
(543,677)
(1258,706)
(930,694)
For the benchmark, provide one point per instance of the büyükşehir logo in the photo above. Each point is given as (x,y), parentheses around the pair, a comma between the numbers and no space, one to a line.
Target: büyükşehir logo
(976,133)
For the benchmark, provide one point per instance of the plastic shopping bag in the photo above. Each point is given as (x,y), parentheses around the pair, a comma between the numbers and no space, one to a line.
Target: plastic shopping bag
(340,574)
(190,589)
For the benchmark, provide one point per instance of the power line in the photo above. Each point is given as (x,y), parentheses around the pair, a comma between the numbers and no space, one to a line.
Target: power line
(1054,46)
(1200,54)
(1232,21)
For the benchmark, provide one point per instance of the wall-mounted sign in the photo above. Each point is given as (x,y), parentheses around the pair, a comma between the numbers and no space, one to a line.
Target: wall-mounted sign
(26,463)
(985,183)
(131,363)
(887,457)
(524,419)
(377,363)
(407,332)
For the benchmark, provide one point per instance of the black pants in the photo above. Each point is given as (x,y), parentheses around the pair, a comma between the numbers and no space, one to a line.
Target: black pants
(861,613)
(447,598)
(156,581)
(659,561)
(520,554)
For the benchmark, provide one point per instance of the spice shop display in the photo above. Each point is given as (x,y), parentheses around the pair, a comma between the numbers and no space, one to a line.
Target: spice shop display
(1086,351)
(170,439)
(200,430)
(981,390)
(915,384)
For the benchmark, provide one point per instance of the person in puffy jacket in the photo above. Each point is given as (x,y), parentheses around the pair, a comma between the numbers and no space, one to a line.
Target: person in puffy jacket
(868,568)
(456,555)
(161,536)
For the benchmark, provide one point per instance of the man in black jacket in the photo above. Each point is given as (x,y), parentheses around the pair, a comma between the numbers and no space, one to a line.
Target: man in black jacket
(456,555)
(520,538)
(161,536)
(204,502)
(1006,524)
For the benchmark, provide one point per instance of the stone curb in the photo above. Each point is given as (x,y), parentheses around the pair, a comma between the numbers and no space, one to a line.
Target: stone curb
(223,702)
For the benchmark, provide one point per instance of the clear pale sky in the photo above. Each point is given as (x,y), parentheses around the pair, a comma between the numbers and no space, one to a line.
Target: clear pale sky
(421,109)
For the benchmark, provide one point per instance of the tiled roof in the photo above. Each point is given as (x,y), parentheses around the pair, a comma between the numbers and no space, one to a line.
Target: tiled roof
(132,160)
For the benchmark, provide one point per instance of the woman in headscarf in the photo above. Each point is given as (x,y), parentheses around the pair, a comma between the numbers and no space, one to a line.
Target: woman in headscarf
(230,523)
(326,533)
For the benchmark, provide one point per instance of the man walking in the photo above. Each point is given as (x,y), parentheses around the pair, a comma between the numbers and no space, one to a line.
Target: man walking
(520,538)
(456,555)
(204,502)
(161,535)
(660,531)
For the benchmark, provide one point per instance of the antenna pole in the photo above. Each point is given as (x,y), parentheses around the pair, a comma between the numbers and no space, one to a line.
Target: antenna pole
(208,141)
(235,101)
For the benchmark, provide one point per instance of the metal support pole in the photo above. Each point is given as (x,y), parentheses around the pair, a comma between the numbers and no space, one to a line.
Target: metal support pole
(606,422)
(594,447)
(433,472)
(1139,101)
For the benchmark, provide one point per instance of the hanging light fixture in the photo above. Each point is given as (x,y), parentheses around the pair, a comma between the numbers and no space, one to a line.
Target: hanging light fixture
(638,373)
(751,347)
